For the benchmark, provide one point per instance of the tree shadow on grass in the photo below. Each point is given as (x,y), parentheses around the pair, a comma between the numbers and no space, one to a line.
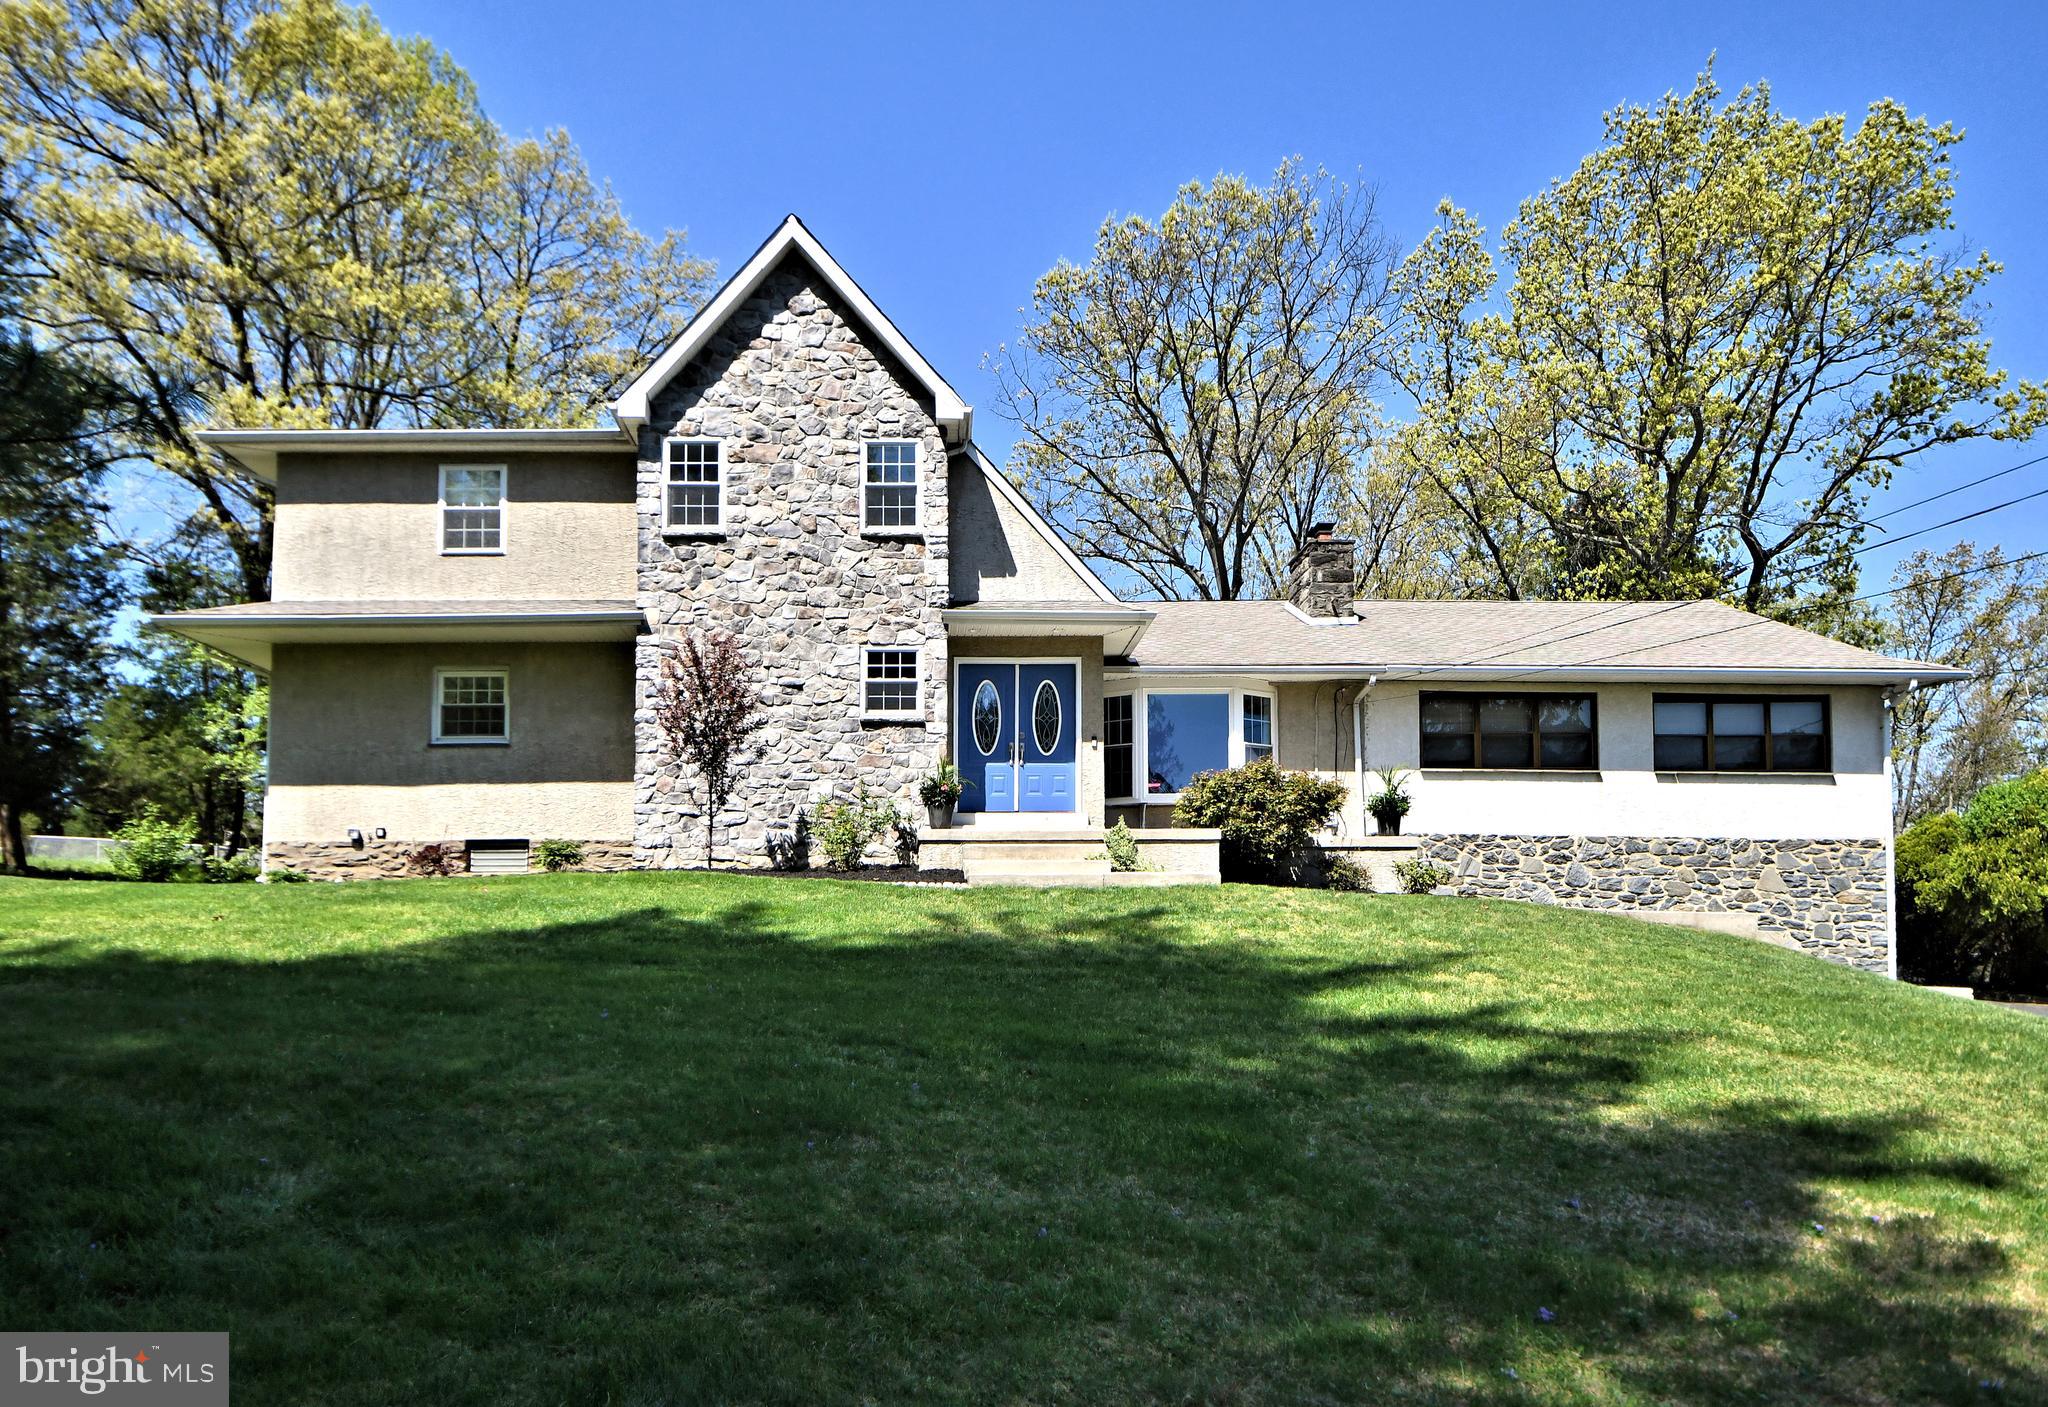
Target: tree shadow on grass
(991,1150)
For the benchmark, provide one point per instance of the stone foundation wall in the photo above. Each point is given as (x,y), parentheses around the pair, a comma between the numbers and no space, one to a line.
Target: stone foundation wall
(793,392)
(1826,896)
(385,859)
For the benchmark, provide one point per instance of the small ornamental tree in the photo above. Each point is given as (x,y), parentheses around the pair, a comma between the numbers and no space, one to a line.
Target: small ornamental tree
(707,709)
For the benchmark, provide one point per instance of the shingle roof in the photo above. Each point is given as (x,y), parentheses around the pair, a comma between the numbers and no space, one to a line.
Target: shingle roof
(1085,604)
(1397,637)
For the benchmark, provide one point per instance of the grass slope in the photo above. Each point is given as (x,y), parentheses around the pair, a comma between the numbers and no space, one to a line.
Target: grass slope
(648,1139)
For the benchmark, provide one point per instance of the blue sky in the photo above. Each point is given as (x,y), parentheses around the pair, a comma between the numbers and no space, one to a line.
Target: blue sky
(949,155)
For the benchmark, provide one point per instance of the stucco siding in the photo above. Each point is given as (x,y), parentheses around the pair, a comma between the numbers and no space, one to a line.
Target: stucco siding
(998,553)
(1627,796)
(369,526)
(351,729)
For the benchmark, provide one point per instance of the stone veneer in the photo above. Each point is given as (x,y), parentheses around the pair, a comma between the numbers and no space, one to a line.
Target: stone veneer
(792,390)
(385,859)
(1827,896)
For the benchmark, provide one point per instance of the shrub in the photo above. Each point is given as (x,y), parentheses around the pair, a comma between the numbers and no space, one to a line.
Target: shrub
(791,849)
(285,876)
(1123,849)
(558,855)
(904,832)
(232,869)
(152,848)
(436,858)
(1341,872)
(1973,891)
(846,829)
(1268,817)
(1419,876)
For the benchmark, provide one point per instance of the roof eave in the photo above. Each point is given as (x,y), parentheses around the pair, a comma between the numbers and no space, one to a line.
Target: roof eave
(257,450)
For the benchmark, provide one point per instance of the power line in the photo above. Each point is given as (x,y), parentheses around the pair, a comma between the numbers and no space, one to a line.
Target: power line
(1935,497)
(1688,639)
(1922,532)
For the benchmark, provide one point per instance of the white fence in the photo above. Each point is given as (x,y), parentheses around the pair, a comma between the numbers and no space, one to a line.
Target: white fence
(69,847)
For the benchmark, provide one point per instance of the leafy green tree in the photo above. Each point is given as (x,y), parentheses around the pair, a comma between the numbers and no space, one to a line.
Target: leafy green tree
(1200,392)
(1717,336)
(184,729)
(273,212)
(1973,890)
(58,583)
(1981,612)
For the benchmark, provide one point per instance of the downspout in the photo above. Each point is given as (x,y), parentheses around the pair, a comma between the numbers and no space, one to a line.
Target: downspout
(1891,844)
(1358,703)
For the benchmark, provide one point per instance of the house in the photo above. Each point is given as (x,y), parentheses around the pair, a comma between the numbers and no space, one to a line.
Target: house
(466,629)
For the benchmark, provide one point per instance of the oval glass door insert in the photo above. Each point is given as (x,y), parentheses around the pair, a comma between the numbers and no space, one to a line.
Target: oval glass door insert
(988,717)
(1045,717)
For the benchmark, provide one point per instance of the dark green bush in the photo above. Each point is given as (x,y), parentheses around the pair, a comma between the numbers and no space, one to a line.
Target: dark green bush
(1269,818)
(233,869)
(558,855)
(1973,891)
(1419,876)
(1341,872)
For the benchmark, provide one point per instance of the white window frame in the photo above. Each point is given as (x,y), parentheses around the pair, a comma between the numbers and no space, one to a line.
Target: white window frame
(916,524)
(443,506)
(1272,743)
(1141,730)
(1137,727)
(469,671)
(668,525)
(895,715)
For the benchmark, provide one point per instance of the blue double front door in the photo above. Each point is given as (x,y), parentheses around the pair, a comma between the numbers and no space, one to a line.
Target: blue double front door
(1016,735)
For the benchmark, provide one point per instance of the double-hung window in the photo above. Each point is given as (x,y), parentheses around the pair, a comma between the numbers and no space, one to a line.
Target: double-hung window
(472,706)
(1117,752)
(1512,731)
(695,485)
(472,509)
(889,485)
(1721,733)
(1257,727)
(891,685)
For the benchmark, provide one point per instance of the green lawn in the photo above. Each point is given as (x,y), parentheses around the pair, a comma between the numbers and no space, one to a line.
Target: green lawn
(651,1139)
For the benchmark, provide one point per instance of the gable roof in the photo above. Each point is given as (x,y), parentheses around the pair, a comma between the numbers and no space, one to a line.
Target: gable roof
(1499,640)
(954,415)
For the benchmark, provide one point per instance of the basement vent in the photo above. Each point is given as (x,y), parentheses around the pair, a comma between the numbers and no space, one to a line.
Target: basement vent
(497,857)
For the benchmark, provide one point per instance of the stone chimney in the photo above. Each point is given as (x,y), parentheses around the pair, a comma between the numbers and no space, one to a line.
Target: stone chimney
(1319,572)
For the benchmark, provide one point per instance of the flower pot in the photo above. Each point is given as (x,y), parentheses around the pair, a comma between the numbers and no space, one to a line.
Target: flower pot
(939,815)
(1389,825)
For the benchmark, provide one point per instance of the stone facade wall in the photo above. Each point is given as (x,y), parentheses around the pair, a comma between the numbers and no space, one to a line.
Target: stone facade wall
(1828,896)
(385,859)
(792,390)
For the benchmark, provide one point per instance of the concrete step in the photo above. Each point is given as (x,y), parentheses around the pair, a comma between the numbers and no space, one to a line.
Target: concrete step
(1025,864)
(1041,879)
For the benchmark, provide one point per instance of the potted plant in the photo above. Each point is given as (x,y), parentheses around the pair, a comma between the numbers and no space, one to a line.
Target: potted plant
(1391,802)
(940,792)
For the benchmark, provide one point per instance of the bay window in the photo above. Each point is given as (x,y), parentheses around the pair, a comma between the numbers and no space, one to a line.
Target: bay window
(1166,737)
